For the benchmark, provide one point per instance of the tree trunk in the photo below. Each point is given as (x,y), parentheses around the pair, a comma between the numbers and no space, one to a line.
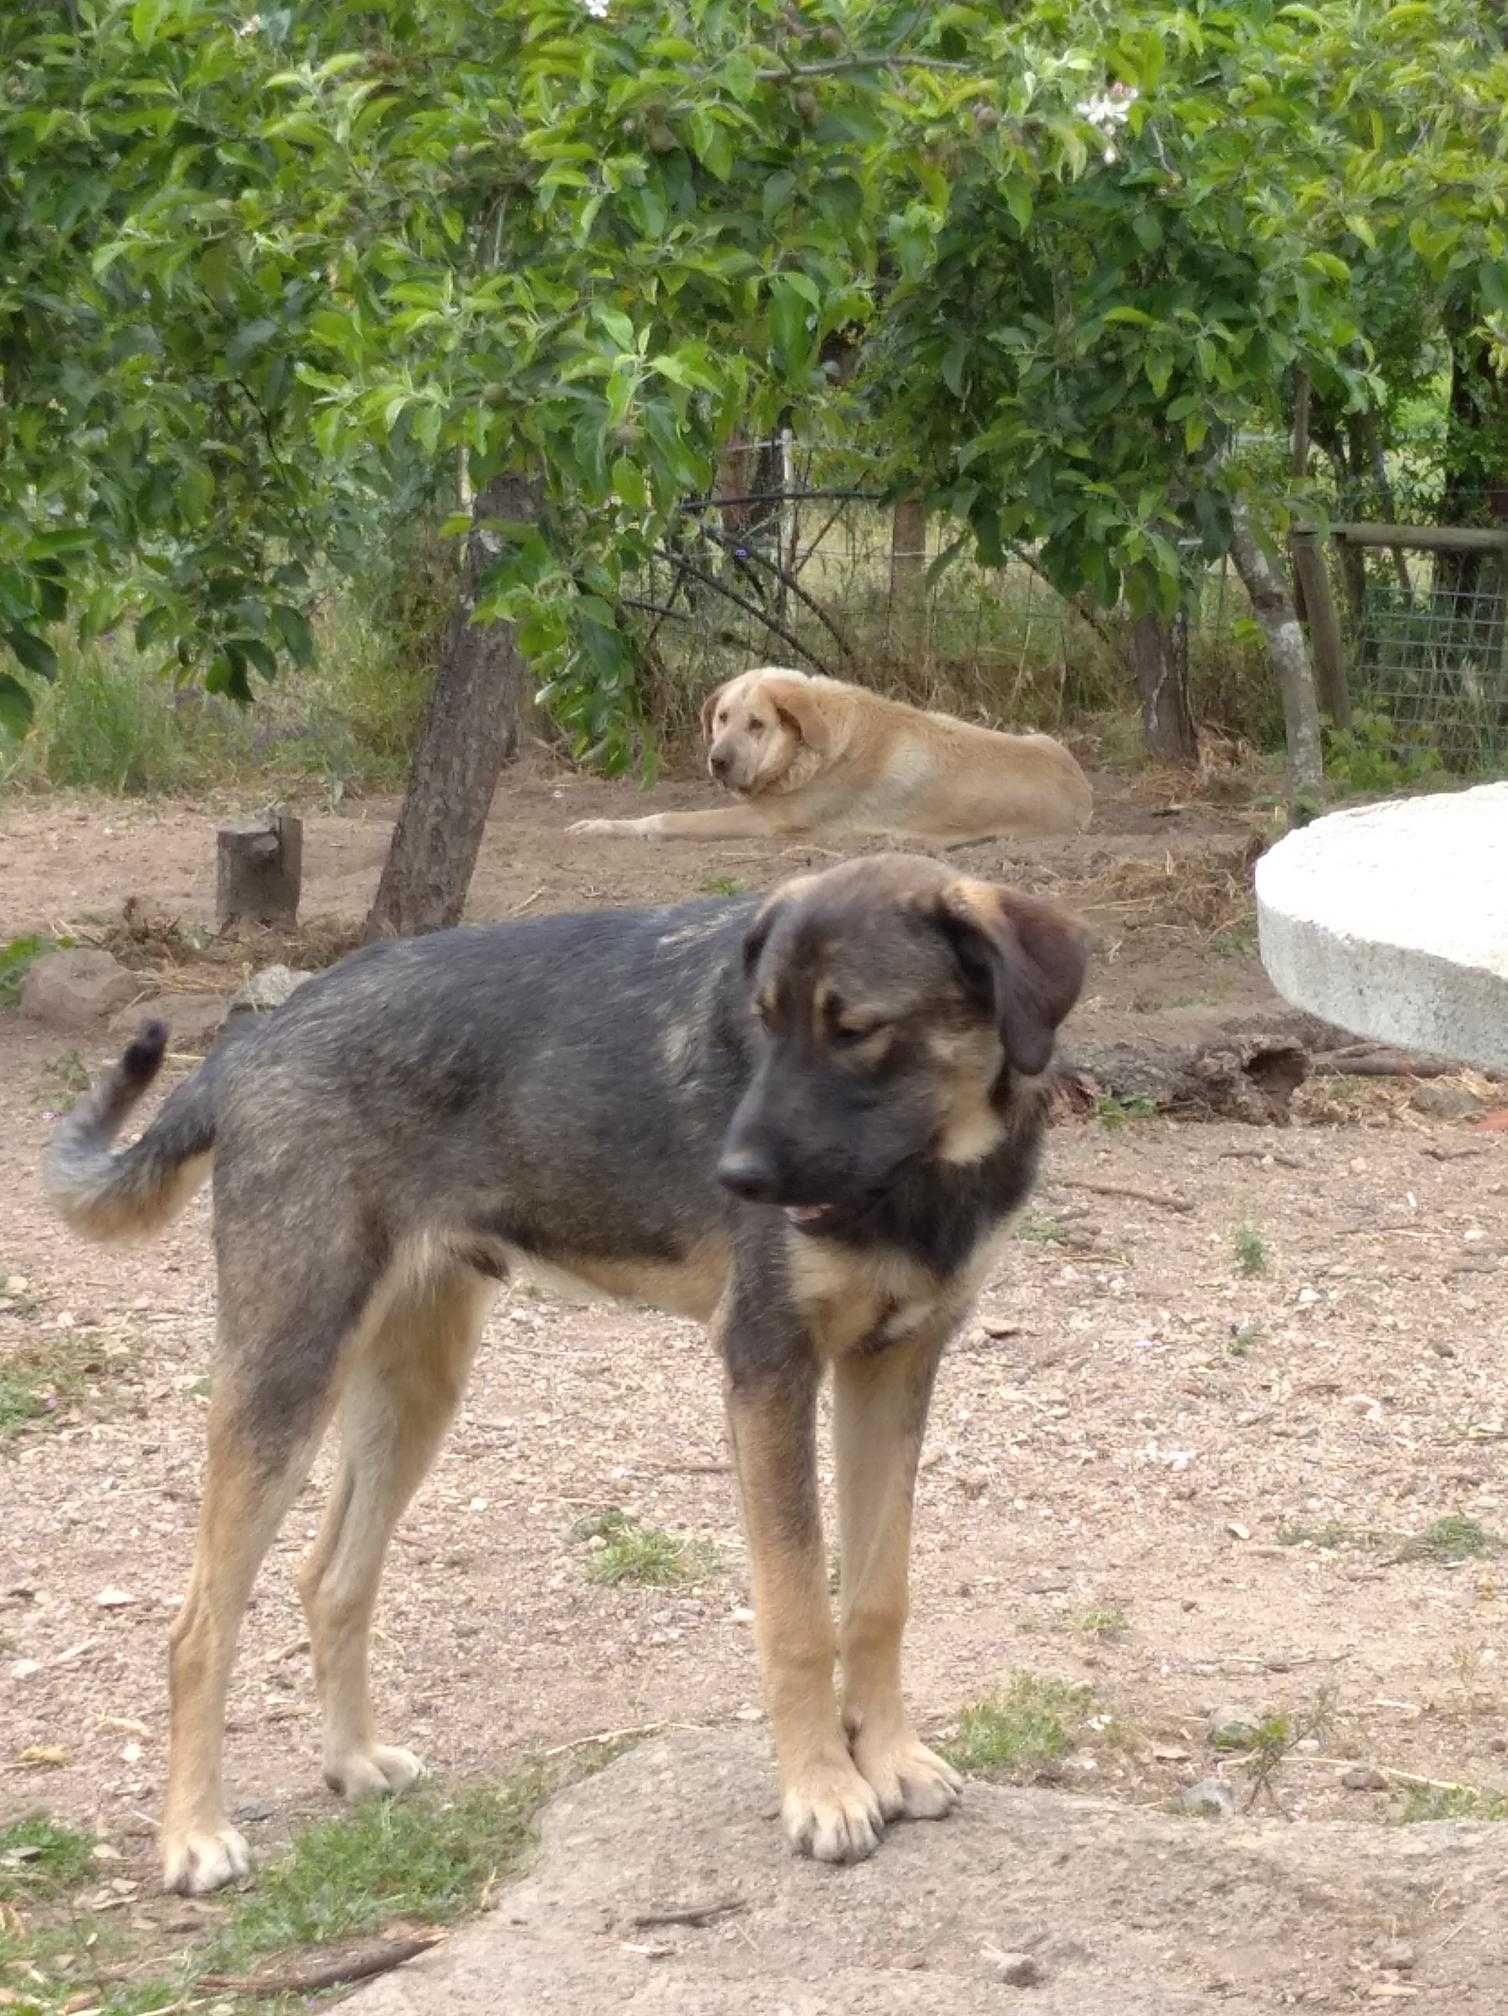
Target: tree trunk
(1159,662)
(473,720)
(1476,445)
(259,868)
(1273,608)
(908,549)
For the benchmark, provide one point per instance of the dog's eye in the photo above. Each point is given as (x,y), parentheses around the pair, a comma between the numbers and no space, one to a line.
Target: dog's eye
(846,1037)
(756,727)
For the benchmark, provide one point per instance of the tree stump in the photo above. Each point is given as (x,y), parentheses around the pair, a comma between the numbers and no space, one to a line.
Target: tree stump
(259,867)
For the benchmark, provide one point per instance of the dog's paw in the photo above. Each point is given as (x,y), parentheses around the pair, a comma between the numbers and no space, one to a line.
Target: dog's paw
(376,1773)
(204,1859)
(910,1781)
(622,829)
(832,1815)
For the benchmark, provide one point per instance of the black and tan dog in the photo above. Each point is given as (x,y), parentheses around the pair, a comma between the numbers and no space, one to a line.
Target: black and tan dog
(803,1120)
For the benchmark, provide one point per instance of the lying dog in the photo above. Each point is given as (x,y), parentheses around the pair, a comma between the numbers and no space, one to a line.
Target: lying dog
(807,753)
(804,1120)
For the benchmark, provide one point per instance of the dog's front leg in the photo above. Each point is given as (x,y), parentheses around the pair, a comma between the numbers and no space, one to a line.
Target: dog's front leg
(879,1412)
(829,1810)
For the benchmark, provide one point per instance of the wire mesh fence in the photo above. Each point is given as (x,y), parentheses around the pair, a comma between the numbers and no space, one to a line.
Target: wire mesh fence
(789,560)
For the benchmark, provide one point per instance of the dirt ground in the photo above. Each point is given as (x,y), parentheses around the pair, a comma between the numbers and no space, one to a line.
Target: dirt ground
(1183,1484)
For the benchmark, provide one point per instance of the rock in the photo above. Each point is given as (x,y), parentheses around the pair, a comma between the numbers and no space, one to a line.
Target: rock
(194,1020)
(1211,1797)
(1443,1101)
(1017,1970)
(77,990)
(1232,1728)
(1363,1778)
(1397,1955)
(265,991)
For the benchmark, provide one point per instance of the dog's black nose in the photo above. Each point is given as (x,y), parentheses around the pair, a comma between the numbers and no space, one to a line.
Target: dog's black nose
(747,1174)
(718,765)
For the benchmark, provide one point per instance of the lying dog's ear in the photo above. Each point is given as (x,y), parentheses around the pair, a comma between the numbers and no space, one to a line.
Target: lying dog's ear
(1024,958)
(709,708)
(805,711)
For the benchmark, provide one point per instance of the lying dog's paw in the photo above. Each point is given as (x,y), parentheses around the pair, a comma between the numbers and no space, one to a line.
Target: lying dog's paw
(910,1781)
(832,1814)
(203,1859)
(630,829)
(373,1774)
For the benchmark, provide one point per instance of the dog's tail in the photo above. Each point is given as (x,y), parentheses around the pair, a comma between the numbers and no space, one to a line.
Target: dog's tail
(133,1194)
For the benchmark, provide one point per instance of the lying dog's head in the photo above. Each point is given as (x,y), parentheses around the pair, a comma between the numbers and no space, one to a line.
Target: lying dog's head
(755,726)
(899,1004)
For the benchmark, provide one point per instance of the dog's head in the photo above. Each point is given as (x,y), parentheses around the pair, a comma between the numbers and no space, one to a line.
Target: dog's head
(899,1005)
(755,725)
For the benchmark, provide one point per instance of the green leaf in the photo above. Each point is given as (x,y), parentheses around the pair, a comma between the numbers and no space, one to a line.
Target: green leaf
(248,339)
(15,707)
(34,653)
(146,19)
(629,485)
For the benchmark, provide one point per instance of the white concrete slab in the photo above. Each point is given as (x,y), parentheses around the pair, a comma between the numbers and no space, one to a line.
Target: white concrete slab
(1392,920)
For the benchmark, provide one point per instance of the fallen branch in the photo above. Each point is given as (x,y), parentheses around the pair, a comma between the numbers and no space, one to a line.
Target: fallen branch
(1166,1200)
(604,1736)
(690,1914)
(1378,1064)
(358,1966)
(1259,1155)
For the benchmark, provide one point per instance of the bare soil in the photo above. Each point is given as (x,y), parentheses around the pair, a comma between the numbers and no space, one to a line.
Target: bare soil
(1135,1426)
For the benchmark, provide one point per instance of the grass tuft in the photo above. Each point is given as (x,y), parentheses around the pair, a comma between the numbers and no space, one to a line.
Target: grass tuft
(1452,1538)
(1107,1625)
(643,1555)
(1455,1802)
(41,1858)
(429,1857)
(1112,1112)
(1250,1249)
(1023,1731)
(19,954)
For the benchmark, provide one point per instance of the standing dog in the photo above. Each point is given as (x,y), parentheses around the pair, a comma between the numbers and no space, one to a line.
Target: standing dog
(806,753)
(803,1120)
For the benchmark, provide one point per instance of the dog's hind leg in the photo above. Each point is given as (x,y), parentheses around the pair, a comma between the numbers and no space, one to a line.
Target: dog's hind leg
(397,1400)
(828,1809)
(879,1412)
(259,1451)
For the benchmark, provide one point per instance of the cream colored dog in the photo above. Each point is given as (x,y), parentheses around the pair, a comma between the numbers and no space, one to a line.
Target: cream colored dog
(802,753)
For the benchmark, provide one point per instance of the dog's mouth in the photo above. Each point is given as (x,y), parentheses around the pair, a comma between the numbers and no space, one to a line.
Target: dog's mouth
(810,1217)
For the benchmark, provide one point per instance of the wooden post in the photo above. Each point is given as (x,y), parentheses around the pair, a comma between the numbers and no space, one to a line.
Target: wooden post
(908,548)
(1313,578)
(259,867)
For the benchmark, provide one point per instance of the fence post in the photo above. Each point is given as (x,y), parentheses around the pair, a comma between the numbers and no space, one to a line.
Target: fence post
(1313,577)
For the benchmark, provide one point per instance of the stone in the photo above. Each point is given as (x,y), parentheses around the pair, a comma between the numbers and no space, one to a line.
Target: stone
(1233,1728)
(1211,1797)
(78,990)
(1016,1970)
(194,1020)
(1439,1099)
(1392,921)
(1363,1778)
(1397,1956)
(265,991)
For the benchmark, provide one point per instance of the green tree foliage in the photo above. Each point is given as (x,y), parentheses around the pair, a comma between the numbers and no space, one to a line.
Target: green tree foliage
(264,274)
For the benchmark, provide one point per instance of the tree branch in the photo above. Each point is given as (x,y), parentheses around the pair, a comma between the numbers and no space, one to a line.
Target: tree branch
(840,65)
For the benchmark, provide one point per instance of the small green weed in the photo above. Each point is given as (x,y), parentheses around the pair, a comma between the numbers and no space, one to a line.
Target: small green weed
(41,1858)
(644,1555)
(1113,1112)
(1106,1625)
(1453,1538)
(1239,1343)
(1373,754)
(36,1379)
(1233,944)
(1250,1249)
(723,885)
(429,1856)
(16,955)
(69,1076)
(1330,1534)
(1040,1228)
(1455,1802)
(1023,1731)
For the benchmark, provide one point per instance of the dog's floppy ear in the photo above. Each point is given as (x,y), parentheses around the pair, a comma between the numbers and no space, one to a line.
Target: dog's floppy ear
(709,708)
(804,708)
(1024,957)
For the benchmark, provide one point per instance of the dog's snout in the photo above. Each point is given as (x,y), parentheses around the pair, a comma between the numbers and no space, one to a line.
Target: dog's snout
(748,1174)
(718,764)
